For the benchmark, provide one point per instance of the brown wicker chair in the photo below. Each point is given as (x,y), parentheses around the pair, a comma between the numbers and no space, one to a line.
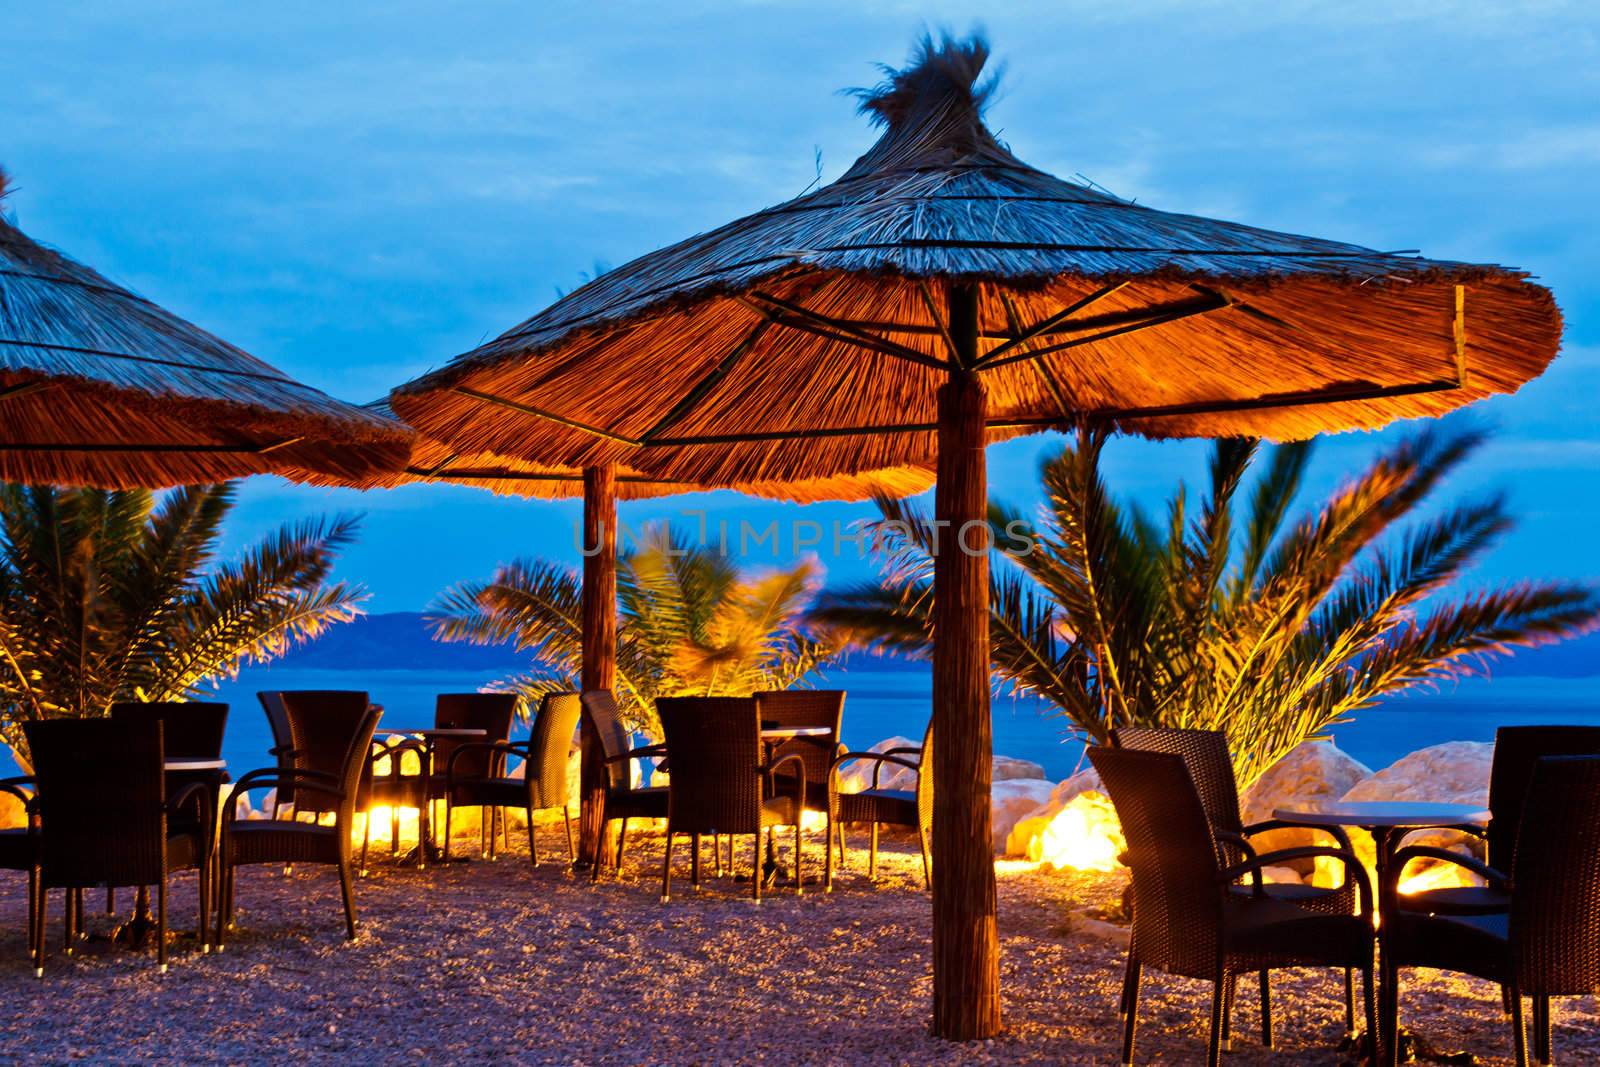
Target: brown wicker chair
(622,800)
(289,842)
(719,781)
(1191,922)
(1517,751)
(1210,765)
(883,807)
(19,845)
(1546,942)
(282,744)
(475,774)
(103,810)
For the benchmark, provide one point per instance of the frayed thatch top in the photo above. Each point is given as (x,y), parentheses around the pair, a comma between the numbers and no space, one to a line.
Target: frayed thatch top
(807,340)
(434,461)
(101,387)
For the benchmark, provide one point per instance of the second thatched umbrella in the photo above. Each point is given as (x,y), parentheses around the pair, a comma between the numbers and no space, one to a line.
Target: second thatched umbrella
(100,387)
(943,294)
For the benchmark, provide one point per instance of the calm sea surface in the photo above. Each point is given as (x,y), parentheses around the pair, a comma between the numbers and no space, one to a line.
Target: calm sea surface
(887,702)
(883,703)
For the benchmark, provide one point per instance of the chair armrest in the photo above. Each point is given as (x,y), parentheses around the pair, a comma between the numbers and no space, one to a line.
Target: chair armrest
(1336,832)
(200,793)
(642,752)
(514,748)
(1354,871)
(14,786)
(1469,828)
(272,777)
(904,750)
(281,750)
(392,751)
(1249,850)
(878,758)
(1397,865)
(771,770)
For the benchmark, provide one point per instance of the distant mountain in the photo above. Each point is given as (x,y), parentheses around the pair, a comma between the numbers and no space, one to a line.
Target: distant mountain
(401,641)
(398,641)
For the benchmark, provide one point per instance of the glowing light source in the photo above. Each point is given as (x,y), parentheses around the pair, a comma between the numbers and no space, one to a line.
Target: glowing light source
(1084,836)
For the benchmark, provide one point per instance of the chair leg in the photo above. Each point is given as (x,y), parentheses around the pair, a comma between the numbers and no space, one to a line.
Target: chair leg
(1227,1012)
(111,901)
(1370,999)
(161,925)
(594,868)
(449,810)
(203,886)
(756,873)
(1219,1018)
(533,844)
(488,821)
(36,932)
(1266,1010)
(1130,1008)
(67,921)
(694,860)
(1130,981)
(827,856)
(666,868)
(927,860)
(872,855)
(366,839)
(1349,1002)
(566,815)
(1541,1029)
(1519,1033)
(1389,1035)
(799,866)
(347,891)
(622,845)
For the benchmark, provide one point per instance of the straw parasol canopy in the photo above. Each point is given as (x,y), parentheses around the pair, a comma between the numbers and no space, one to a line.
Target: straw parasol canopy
(941,295)
(434,461)
(100,387)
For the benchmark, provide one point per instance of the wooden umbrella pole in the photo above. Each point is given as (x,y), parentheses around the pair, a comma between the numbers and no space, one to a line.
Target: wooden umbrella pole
(599,641)
(966,949)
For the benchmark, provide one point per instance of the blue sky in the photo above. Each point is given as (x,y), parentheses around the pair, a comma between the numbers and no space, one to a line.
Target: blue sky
(357,192)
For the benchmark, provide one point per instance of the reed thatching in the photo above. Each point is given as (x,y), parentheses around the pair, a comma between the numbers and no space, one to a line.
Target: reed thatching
(803,341)
(434,461)
(101,387)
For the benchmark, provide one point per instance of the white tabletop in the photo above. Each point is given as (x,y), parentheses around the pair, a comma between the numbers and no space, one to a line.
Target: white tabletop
(779,733)
(1383,813)
(440,731)
(195,764)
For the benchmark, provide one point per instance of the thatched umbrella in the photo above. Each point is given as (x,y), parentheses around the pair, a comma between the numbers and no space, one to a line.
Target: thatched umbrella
(943,294)
(101,387)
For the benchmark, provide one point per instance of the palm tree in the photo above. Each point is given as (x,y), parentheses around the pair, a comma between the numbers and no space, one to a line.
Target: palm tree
(689,623)
(1226,617)
(108,596)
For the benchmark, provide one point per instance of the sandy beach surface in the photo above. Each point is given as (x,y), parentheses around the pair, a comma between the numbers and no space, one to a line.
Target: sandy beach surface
(503,962)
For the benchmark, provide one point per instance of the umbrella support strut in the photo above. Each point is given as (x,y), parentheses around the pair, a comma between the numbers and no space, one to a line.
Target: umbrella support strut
(599,646)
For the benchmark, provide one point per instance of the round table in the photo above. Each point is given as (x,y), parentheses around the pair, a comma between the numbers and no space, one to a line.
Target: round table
(426,850)
(1384,820)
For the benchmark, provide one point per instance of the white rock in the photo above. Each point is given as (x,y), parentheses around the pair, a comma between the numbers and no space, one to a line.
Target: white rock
(1007,768)
(1013,799)
(1456,772)
(1033,823)
(1313,771)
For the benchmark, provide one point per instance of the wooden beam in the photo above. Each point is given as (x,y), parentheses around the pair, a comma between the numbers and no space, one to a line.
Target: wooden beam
(938,322)
(1048,323)
(1460,331)
(17,392)
(819,433)
(1054,387)
(549,416)
(799,317)
(1134,327)
(1340,394)
(704,386)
